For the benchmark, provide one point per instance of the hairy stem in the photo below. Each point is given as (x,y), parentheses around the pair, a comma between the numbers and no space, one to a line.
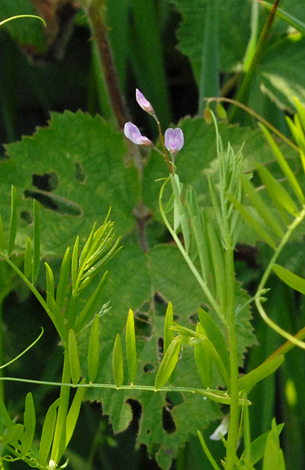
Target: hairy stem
(97,21)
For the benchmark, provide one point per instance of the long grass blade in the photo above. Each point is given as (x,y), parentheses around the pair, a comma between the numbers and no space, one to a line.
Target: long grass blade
(131,350)
(36,242)
(94,350)
(13,221)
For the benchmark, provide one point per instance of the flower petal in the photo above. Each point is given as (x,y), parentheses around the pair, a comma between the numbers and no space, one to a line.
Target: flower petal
(173,140)
(144,103)
(132,133)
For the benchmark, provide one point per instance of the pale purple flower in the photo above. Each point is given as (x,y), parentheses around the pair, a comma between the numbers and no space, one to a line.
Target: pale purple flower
(173,140)
(132,133)
(144,103)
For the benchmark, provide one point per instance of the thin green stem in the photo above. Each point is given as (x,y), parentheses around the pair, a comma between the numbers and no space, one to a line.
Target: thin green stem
(258,117)
(58,446)
(260,290)
(164,153)
(234,407)
(207,452)
(37,295)
(244,88)
(201,282)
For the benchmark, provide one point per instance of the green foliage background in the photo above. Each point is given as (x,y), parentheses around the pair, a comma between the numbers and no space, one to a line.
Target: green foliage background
(76,163)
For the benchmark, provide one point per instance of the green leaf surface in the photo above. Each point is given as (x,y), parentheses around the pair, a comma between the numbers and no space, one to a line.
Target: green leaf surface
(29,424)
(292,280)
(48,432)
(71,143)
(131,351)
(146,284)
(248,381)
(93,352)
(73,357)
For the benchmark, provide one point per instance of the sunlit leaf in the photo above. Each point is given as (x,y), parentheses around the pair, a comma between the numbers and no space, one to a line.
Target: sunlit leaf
(168,363)
(204,359)
(117,361)
(131,351)
(292,280)
(169,321)
(93,352)
(73,357)
(248,381)
(29,424)
(48,432)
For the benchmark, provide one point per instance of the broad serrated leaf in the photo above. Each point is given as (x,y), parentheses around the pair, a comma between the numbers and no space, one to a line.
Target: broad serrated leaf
(72,142)
(93,352)
(131,351)
(273,456)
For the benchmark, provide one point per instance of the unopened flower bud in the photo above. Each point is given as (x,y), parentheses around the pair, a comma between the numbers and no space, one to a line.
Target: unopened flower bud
(132,133)
(144,103)
(173,140)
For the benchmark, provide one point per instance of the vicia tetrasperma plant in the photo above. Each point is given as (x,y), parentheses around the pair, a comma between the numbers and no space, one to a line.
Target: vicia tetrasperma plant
(207,242)
(206,239)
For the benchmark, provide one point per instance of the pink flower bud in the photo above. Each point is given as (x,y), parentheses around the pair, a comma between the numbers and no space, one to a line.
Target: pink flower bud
(132,133)
(173,140)
(142,101)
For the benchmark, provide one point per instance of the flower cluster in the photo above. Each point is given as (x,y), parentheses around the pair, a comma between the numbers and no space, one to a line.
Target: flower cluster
(173,138)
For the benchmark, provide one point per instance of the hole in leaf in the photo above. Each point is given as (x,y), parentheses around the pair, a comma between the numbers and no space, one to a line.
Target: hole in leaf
(142,326)
(194,319)
(27,217)
(55,203)
(160,348)
(47,182)
(149,368)
(168,423)
(160,305)
(148,431)
(174,399)
(136,413)
(79,173)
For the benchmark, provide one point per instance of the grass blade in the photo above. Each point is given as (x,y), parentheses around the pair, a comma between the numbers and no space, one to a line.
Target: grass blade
(63,280)
(13,221)
(2,236)
(73,357)
(28,258)
(36,242)
(94,349)
(117,361)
